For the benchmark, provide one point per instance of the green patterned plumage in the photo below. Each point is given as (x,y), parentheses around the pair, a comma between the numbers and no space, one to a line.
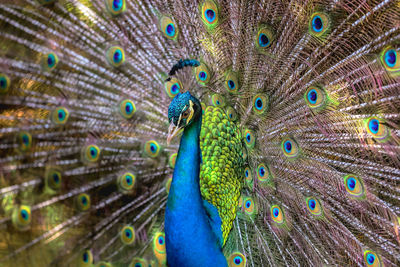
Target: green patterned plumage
(221,173)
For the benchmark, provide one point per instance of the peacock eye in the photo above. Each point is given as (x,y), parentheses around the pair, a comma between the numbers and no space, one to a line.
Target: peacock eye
(185,114)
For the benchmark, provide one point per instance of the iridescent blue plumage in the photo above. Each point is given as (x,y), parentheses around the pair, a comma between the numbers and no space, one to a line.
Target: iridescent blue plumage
(191,238)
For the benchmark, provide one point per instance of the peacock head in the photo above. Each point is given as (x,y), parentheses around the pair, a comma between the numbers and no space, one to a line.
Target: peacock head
(183,110)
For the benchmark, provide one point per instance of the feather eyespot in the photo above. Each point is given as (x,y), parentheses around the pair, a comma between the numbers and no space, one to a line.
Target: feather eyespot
(314,206)
(60,115)
(159,243)
(231,82)
(377,129)
(126,181)
(218,100)
(210,14)
(168,28)
(173,87)
(82,202)
(390,59)
(260,104)
(290,148)
(91,153)
(354,185)
(115,7)
(24,141)
(247,173)
(127,108)
(249,206)
(53,179)
(315,97)
(231,114)
(127,235)
(85,259)
(4,83)
(249,138)
(265,37)
(159,247)
(372,259)
(262,172)
(115,56)
(319,24)
(21,217)
(237,259)
(50,61)
(277,214)
(202,73)
(152,148)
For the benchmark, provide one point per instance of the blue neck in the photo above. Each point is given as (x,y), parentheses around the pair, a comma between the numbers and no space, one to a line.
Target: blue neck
(188,233)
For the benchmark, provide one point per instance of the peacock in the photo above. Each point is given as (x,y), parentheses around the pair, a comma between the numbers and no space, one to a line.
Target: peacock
(199,133)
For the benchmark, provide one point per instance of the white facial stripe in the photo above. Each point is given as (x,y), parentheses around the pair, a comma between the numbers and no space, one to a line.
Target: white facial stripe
(191,111)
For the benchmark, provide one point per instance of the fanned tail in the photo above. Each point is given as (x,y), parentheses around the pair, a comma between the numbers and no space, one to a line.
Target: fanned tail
(313,87)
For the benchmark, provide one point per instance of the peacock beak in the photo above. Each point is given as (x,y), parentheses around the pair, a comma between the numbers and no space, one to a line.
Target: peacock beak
(173,130)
